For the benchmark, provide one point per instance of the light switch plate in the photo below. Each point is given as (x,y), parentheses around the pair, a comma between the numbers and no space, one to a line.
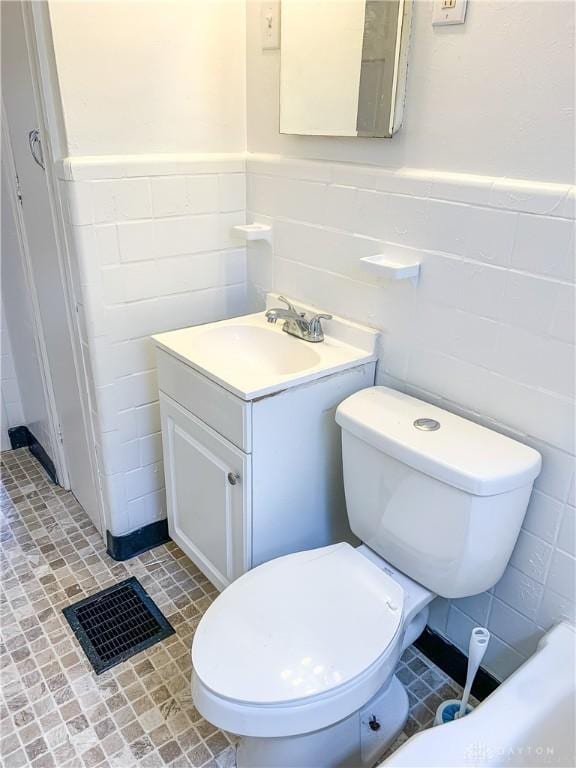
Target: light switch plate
(449,12)
(270,26)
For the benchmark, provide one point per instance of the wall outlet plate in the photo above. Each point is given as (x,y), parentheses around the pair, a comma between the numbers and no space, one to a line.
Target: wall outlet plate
(446,12)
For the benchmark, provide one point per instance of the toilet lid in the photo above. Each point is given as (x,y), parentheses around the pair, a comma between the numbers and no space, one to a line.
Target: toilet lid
(297,626)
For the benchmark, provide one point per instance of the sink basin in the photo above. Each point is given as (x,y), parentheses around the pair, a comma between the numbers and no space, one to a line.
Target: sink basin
(248,346)
(253,358)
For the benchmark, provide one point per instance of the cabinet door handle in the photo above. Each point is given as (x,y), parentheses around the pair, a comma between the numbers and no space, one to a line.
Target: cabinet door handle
(233,478)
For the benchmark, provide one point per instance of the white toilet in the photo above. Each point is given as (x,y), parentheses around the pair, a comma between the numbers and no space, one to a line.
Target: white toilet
(298,655)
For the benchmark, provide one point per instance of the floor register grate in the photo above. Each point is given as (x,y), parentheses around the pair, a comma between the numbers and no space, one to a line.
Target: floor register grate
(117,623)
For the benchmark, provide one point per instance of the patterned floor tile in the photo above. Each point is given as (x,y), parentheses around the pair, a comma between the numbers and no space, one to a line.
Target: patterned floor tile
(55,712)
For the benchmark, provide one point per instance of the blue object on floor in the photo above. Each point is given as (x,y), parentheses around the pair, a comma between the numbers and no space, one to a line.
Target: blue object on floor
(449,712)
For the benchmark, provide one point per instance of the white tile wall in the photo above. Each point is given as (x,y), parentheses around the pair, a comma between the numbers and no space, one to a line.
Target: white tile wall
(153,251)
(488,332)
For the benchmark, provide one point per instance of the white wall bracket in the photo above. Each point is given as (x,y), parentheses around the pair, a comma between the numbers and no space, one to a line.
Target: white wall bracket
(253,232)
(391,267)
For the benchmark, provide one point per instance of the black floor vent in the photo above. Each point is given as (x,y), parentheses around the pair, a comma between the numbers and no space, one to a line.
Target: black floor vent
(117,623)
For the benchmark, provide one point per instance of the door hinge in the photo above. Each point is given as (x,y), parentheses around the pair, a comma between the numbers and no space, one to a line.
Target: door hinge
(18,189)
(59,433)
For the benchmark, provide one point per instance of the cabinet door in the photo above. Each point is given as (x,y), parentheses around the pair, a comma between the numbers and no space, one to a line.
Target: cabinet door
(208,488)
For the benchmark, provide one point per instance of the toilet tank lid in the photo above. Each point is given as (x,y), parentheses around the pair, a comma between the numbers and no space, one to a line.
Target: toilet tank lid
(438,443)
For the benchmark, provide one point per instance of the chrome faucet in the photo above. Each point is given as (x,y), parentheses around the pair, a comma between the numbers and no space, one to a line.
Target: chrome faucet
(296,324)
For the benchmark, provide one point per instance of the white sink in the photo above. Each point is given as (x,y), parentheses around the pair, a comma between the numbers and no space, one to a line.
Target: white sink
(246,346)
(252,358)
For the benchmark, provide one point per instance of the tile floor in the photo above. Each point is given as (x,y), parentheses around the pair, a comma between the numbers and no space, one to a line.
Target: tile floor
(55,712)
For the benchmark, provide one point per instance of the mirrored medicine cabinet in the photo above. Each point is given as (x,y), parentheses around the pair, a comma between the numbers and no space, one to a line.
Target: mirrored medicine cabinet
(343,66)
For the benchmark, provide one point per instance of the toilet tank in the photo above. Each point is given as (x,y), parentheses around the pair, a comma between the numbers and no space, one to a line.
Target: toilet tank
(437,496)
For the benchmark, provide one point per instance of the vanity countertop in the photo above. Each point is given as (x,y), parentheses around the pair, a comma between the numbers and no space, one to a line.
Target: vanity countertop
(253,358)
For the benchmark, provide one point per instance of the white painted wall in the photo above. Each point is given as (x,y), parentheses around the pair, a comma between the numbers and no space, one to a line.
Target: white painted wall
(494,96)
(142,77)
(153,93)
(489,330)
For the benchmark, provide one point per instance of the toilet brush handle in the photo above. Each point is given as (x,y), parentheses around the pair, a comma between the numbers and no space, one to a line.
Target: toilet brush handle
(478,644)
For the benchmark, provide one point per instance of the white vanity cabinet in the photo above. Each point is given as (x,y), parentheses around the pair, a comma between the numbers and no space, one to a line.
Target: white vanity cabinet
(270,485)
(253,476)
(208,483)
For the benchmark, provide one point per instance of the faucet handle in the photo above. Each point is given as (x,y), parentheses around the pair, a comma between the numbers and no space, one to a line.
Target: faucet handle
(290,306)
(315,326)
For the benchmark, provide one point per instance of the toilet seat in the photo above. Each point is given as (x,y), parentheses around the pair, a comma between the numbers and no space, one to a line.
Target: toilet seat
(297,643)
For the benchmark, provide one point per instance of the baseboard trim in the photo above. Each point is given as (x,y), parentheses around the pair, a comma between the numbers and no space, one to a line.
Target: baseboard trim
(136,542)
(21,437)
(454,663)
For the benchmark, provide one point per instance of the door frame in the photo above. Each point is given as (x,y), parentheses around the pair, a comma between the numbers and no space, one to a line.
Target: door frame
(38,31)
(48,105)
(9,168)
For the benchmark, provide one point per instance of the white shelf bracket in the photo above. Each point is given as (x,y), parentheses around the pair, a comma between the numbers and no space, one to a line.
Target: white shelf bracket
(392,267)
(249,232)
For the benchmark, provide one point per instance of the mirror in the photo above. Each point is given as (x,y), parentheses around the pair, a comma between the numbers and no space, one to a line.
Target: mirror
(343,66)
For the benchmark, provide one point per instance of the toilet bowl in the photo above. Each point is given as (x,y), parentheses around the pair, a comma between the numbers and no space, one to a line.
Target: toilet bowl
(298,655)
(301,643)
